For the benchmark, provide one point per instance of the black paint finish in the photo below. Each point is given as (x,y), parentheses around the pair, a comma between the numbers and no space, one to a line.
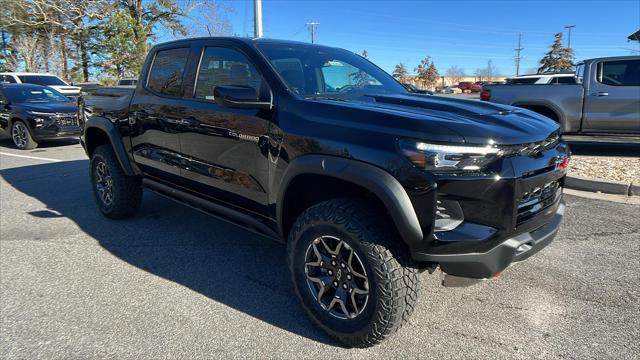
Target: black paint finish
(246,158)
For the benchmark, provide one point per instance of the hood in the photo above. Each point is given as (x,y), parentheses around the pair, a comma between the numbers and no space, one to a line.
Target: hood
(475,121)
(68,107)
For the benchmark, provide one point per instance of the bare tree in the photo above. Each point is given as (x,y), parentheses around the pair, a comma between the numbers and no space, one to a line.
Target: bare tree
(455,74)
(29,52)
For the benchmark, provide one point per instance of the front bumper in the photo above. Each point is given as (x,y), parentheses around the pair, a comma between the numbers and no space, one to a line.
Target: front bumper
(57,132)
(506,215)
(482,265)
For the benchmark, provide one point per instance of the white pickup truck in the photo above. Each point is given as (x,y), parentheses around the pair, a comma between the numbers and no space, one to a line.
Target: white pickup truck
(605,98)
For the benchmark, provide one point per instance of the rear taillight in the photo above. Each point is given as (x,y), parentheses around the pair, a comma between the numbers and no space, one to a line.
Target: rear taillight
(485,95)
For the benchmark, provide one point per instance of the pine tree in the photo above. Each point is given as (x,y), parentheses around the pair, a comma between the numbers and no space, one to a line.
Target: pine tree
(558,58)
(427,73)
(400,73)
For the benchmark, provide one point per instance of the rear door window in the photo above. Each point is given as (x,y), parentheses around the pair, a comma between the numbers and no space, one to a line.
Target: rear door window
(167,70)
(619,73)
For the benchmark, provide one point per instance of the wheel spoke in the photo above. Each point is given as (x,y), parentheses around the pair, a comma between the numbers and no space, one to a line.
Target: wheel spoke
(339,300)
(336,277)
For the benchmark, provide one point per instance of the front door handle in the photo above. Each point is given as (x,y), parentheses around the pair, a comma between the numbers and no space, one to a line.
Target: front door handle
(600,93)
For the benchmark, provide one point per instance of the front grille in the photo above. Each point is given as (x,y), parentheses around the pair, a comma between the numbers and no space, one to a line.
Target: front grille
(68,119)
(534,148)
(536,200)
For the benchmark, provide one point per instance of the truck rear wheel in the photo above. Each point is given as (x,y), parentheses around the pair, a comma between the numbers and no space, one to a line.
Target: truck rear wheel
(351,272)
(118,195)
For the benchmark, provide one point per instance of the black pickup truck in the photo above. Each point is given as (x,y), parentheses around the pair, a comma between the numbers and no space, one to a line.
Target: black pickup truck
(366,183)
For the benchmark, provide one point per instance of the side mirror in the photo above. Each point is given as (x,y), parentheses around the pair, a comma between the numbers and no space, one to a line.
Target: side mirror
(239,97)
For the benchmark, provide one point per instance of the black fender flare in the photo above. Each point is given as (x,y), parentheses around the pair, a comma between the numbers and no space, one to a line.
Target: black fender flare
(379,182)
(115,138)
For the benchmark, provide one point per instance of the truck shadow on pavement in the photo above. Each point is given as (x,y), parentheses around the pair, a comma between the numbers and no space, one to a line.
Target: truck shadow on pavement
(219,260)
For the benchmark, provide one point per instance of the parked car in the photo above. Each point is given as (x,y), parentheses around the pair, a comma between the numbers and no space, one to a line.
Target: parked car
(451,90)
(127,82)
(365,182)
(40,79)
(34,113)
(606,98)
(475,87)
(538,79)
(465,86)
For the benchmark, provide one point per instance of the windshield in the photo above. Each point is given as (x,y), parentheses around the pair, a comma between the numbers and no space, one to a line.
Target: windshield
(28,94)
(42,80)
(315,71)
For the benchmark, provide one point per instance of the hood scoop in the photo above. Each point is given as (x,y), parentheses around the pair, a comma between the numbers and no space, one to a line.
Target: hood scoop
(455,106)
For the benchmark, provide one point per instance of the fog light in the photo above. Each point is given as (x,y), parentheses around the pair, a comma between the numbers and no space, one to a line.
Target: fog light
(39,122)
(448,215)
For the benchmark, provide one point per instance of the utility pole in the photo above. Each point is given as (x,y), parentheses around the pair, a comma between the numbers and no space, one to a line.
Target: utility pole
(257,18)
(569,27)
(518,57)
(312,27)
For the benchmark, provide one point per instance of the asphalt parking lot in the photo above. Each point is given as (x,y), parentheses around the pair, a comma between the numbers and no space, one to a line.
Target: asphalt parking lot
(175,283)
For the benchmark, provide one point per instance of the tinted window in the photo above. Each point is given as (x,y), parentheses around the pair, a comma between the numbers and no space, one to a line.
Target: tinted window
(579,73)
(41,80)
(225,67)
(34,94)
(619,73)
(341,76)
(7,78)
(166,72)
(565,80)
(317,71)
(531,80)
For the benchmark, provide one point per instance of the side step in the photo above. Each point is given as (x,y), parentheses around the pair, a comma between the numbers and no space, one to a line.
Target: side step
(218,211)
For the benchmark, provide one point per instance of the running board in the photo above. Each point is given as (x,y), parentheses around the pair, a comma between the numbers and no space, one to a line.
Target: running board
(218,211)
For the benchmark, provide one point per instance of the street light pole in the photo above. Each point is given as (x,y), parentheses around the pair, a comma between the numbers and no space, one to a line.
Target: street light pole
(257,18)
(569,27)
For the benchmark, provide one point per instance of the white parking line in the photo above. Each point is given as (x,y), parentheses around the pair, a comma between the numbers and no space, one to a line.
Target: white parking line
(31,157)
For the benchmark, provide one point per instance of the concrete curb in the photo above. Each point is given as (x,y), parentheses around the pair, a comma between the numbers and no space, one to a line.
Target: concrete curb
(602,186)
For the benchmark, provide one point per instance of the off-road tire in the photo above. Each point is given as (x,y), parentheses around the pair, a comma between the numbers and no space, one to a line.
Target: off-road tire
(393,281)
(25,140)
(126,190)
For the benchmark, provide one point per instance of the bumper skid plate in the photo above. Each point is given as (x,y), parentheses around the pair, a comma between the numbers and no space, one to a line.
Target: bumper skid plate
(468,268)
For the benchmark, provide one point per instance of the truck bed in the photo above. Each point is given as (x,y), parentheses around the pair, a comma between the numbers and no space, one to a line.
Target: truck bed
(107,100)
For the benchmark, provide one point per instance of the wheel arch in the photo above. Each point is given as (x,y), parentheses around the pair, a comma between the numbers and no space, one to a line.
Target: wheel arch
(358,178)
(544,108)
(101,131)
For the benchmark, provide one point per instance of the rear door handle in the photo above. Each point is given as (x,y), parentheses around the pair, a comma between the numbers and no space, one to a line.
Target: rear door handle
(600,93)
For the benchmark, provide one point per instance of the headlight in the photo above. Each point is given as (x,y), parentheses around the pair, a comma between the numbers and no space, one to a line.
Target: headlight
(448,158)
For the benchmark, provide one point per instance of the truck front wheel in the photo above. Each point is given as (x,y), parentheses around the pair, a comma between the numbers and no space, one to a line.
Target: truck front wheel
(351,272)
(118,195)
